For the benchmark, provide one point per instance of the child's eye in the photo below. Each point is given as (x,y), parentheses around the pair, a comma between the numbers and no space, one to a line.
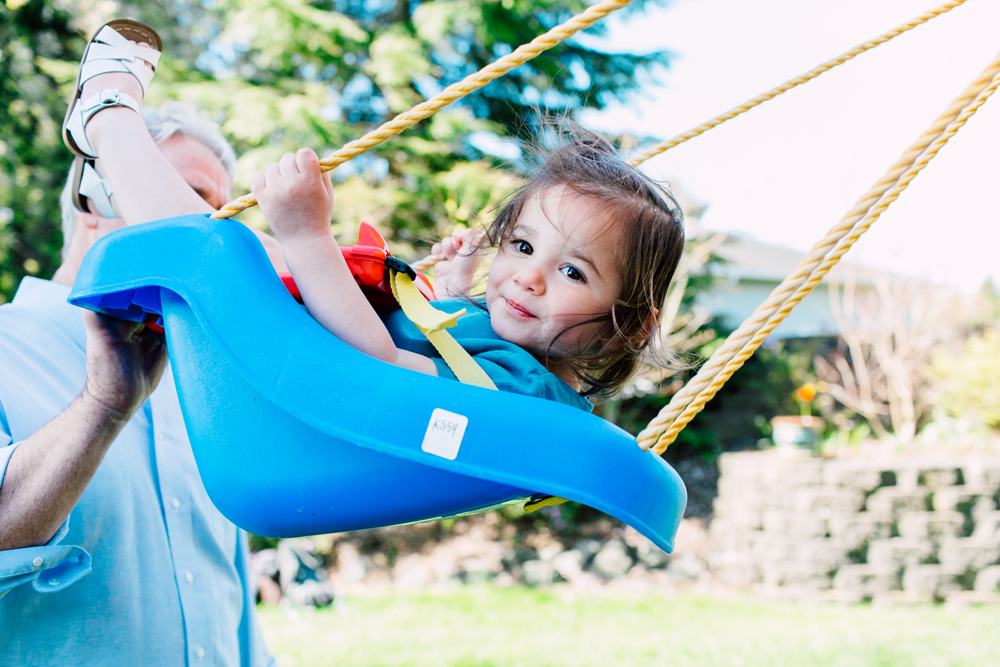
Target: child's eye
(522,246)
(573,273)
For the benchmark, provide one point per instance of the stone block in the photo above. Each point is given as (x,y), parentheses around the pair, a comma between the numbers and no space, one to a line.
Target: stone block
(951,498)
(793,524)
(931,525)
(895,599)
(982,472)
(745,516)
(853,473)
(613,560)
(866,579)
(962,599)
(899,552)
(907,477)
(569,565)
(746,490)
(856,528)
(538,573)
(793,474)
(650,555)
(737,573)
(808,596)
(767,549)
(797,574)
(987,526)
(931,579)
(822,500)
(725,535)
(895,501)
(686,567)
(746,465)
(825,553)
(938,477)
(968,553)
(988,579)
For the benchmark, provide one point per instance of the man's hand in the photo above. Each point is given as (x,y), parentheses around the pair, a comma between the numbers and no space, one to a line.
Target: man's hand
(296,197)
(124,363)
(458,255)
(50,469)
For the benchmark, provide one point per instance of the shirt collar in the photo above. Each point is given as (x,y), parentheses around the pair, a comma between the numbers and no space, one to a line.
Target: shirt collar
(49,298)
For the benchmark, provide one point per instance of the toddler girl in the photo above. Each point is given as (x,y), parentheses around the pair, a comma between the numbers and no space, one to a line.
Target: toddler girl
(584,255)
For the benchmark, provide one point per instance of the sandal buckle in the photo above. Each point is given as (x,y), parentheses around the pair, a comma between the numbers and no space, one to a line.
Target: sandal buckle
(109,96)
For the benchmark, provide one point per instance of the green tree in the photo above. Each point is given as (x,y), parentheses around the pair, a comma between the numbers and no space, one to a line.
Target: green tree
(281,74)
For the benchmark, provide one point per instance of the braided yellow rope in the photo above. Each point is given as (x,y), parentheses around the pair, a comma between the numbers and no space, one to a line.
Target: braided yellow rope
(797,81)
(430,261)
(744,341)
(455,91)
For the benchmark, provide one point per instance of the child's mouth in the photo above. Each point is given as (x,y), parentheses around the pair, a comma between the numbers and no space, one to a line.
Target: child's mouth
(516,310)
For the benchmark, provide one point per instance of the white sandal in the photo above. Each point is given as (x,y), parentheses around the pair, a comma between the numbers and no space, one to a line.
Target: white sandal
(108,52)
(89,187)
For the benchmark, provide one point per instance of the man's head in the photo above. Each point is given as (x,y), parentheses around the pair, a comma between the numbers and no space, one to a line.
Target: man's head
(195,148)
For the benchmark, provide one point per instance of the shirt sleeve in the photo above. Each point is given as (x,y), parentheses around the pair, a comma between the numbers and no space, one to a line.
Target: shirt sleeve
(48,568)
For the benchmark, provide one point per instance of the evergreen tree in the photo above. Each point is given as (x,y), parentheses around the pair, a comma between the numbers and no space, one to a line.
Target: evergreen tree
(282,74)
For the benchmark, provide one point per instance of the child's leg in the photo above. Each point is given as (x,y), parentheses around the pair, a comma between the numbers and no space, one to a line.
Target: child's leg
(146,187)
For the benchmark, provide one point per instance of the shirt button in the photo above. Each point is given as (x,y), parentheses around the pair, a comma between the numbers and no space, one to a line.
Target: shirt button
(37,562)
(200,652)
(53,582)
(176,504)
(188,577)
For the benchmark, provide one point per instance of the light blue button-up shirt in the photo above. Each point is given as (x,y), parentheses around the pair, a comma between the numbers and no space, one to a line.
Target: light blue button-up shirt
(145,571)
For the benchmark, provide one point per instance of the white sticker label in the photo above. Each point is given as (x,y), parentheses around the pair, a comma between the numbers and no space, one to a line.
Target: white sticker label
(444,434)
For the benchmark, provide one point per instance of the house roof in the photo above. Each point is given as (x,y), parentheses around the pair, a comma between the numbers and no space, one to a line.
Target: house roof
(746,259)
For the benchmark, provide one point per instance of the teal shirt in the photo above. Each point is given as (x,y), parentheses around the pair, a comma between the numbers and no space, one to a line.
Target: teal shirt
(511,368)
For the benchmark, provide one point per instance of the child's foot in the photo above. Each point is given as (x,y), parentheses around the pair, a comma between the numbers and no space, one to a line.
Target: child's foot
(126,84)
(117,66)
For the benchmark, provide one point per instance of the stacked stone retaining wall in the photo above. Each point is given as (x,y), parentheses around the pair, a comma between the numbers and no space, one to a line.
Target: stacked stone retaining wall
(893,530)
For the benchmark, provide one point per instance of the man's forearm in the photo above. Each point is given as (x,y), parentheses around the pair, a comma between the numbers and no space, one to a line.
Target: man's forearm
(49,471)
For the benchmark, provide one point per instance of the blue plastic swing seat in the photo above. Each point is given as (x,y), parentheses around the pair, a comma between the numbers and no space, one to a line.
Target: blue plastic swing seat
(296,433)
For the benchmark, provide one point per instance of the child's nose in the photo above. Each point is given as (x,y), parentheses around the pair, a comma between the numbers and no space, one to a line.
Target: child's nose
(530,277)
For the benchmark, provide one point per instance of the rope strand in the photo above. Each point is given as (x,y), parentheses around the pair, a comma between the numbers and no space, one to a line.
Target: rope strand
(685,404)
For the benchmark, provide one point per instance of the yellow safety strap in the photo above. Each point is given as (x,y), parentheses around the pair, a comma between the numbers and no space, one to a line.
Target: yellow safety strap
(537,502)
(433,323)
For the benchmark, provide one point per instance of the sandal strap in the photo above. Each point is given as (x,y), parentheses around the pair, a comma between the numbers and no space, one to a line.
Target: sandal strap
(107,98)
(109,52)
(111,37)
(97,190)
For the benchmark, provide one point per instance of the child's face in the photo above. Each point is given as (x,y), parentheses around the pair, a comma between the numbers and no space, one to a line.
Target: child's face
(557,269)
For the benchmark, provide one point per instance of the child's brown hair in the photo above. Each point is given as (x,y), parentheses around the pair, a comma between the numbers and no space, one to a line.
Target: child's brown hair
(651,239)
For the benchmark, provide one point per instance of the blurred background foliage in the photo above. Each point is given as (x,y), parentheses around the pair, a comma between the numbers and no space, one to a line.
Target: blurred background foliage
(281,74)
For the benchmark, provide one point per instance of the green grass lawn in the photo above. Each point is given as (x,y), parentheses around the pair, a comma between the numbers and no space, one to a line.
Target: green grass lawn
(491,627)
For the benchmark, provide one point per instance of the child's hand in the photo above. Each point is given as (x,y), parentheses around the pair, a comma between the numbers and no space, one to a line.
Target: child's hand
(458,258)
(295,196)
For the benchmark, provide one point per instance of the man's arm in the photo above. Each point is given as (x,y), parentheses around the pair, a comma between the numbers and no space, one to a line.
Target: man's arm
(48,472)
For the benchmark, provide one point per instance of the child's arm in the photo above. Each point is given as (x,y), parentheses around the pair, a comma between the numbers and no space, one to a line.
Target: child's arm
(297,201)
(458,256)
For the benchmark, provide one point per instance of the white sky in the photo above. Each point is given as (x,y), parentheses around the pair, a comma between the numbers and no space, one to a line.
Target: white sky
(788,170)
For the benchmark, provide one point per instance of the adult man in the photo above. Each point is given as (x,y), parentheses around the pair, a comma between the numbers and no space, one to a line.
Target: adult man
(110,550)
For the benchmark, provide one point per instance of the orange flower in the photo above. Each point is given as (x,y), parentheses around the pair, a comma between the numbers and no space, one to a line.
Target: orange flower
(806,392)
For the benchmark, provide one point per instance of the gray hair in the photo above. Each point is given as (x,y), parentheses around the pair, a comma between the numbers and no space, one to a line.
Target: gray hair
(168,119)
